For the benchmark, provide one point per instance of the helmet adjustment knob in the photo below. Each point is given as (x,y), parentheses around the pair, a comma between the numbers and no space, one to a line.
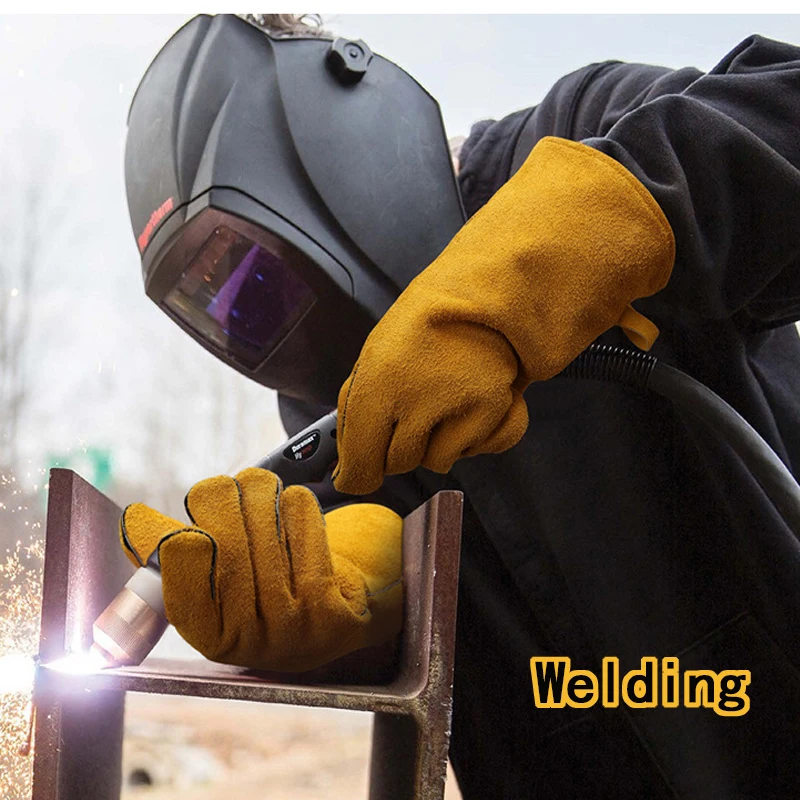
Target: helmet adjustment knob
(348,60)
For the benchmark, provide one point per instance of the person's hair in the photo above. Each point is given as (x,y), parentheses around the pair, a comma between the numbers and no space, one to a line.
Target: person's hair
(289,25)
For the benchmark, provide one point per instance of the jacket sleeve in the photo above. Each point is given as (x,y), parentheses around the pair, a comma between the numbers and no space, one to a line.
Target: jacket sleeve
(720,153)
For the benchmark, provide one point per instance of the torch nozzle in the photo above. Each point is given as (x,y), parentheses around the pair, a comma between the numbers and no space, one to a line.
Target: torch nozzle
(133,622)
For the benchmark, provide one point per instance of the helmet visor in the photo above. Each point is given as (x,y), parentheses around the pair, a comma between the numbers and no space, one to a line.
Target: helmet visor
(241,296)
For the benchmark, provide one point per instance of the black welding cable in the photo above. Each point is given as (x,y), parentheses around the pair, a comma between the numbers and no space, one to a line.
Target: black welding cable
(634,368)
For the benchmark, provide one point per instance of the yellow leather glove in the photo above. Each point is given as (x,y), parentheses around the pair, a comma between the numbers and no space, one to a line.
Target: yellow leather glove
(263,579)
(548,264)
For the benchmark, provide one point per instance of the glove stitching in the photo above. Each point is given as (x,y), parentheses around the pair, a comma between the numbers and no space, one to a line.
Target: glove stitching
(186,507)
(213,552)
(283,538)
(278,493)
(256,594)
(344,418)
(239,492)
(389,447)
(125,539)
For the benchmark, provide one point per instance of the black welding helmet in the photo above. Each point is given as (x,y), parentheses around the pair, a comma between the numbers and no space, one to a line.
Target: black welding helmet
(283,192)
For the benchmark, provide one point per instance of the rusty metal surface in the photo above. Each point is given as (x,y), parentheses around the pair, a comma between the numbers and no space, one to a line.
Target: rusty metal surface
(78,738)
(84,567)
(430,571)
(397,764)
(411,695)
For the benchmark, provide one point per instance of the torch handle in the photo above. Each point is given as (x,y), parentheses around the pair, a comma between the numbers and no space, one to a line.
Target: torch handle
(308,456)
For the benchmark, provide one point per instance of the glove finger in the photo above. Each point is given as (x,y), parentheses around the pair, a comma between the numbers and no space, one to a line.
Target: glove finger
(141,529)
(191,590)
(407,447)
(466,428)
(509,431)
(215,506)
(261,493)
(304,528)
(364,429)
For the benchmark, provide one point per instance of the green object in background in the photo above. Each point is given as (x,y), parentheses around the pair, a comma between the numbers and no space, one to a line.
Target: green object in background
(91,463)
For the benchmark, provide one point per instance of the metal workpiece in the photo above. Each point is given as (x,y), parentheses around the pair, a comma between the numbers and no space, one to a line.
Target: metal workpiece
(77,738)
(408,687)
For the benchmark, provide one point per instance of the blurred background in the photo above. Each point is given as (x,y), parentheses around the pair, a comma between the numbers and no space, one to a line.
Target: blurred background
(94,377)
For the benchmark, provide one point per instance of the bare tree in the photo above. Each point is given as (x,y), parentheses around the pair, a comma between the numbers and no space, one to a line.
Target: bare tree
(201,419)
(32,217)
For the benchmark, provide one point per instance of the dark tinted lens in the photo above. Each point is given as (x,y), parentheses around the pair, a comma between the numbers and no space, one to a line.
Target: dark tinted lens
(240,296)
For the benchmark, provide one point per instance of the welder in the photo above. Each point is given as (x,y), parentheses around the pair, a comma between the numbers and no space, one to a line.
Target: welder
(297,214)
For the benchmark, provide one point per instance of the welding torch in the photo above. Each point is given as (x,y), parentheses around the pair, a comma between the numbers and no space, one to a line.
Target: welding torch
(135,620)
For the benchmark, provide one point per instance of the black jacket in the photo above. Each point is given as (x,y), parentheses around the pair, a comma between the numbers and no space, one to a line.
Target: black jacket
(619,526)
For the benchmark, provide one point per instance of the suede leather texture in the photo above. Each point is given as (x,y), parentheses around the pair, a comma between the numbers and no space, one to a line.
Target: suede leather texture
(262,579)
(552,261)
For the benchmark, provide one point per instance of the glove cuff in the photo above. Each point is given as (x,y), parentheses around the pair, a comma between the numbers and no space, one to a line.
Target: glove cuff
(607,241)
(555,257)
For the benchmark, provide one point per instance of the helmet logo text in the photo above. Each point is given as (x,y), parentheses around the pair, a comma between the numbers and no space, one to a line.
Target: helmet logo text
(155,220)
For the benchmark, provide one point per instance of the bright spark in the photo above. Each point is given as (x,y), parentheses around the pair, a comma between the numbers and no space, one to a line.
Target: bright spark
(20,607)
